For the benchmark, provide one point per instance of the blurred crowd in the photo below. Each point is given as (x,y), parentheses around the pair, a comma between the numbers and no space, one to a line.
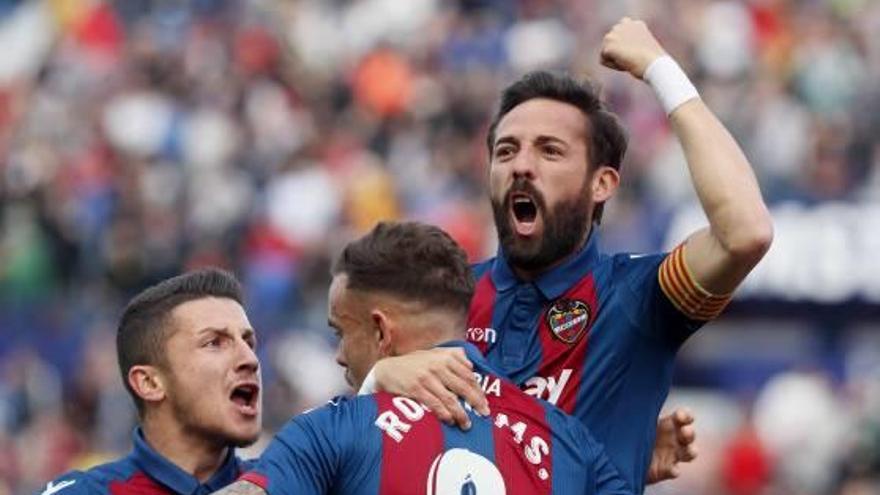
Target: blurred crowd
(145,137)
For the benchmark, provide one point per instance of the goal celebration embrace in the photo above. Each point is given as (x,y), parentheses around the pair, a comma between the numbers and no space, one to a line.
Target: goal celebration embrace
(440,247)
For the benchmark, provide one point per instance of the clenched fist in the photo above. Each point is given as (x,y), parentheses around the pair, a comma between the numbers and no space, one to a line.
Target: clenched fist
(629,46)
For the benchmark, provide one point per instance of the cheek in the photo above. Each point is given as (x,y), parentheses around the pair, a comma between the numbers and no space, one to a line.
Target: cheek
(497,180)
(565,185)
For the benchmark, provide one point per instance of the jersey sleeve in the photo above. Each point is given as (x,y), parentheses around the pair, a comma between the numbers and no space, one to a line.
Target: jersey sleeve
(73,483)
(684,292)
(661,295)
(603,478)
(308,454)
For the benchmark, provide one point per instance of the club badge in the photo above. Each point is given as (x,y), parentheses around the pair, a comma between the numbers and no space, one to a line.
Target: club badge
(568,319)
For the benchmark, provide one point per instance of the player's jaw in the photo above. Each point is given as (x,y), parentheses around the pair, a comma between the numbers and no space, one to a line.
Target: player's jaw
(536,236)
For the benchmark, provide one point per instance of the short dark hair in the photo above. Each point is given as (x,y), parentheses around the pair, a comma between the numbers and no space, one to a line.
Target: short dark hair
(143,327)
(411,260)
(607,139)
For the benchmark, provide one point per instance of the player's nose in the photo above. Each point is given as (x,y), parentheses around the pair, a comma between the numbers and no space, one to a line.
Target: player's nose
(247,357)
(523,165)
(340,358)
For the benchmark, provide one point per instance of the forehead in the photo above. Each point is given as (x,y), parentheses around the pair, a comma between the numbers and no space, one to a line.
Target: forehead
(339,297)
(209,312)
(544,117)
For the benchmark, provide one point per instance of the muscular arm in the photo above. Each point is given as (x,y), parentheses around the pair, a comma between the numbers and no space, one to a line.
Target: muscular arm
(740,230)
(241,488)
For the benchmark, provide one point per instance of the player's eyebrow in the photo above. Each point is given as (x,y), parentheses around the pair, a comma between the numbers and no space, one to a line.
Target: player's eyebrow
(544,139)
(205,330)
(505,140)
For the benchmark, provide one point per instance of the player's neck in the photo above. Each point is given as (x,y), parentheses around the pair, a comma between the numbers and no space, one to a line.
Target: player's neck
(186,449)
(429,330)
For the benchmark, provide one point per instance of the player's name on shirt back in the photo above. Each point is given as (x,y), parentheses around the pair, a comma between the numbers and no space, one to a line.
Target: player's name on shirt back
(402,414)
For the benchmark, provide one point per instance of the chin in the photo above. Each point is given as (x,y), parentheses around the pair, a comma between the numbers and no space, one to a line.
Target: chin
(244,438)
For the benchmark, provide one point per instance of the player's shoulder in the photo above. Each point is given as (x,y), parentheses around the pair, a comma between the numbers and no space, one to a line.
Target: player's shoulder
(73,482)
(94,480)
(245,465)
(631,261)
(339,412)
(482,268)
(634,268)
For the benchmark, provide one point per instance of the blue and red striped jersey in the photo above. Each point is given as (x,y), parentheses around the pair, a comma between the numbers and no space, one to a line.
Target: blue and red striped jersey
(386,445)
(596,336)
(144,472)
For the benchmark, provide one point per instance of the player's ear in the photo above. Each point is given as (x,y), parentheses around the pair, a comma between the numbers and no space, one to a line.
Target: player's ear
(147,382)
(384,332)
(603,183)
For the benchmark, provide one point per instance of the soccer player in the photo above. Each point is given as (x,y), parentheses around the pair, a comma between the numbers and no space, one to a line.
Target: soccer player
(594,334)
(555,152)
(401,288)
(186,354)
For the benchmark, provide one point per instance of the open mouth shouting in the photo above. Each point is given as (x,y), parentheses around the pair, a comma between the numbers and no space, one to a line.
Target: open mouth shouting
(524,213)
(246,397)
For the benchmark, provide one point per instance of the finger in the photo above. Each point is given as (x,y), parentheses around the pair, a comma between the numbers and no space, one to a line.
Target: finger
(434,404)
(687,454)
(609,62)
(462,371)
(686,435)
(451,403)
(469,390)
(672,473)
(683,416)
(461,357)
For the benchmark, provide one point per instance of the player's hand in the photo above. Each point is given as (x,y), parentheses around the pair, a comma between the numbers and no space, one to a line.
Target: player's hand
(630,47)
(674,444)
(436,378)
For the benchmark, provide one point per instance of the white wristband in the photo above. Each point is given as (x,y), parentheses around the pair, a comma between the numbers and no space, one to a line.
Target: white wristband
(670,83)
(369,385)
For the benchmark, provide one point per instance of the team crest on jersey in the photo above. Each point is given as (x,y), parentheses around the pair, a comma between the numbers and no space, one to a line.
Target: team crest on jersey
(568,319)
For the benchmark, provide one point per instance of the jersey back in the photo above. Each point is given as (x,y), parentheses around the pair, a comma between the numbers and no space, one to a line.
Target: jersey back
(388,445)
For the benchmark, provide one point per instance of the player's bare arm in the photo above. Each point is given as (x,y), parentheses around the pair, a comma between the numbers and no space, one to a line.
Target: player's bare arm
(241,487)
(740,230)
(436,378)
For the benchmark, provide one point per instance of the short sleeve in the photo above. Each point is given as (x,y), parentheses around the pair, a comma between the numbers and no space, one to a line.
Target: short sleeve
(647,304)
(684,292)
(307,455)
(72,483)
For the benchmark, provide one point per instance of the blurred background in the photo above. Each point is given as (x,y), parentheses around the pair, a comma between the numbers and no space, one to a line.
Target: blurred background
(141,138)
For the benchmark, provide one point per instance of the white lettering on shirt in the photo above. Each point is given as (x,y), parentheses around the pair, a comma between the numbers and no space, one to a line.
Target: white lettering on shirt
(549,388)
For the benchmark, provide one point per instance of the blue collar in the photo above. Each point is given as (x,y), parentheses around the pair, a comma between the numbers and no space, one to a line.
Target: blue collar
(554,282)
(172,476)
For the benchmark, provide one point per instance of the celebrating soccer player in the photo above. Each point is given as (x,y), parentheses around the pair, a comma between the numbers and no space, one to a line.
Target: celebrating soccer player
(595,334)
(402,288)
(186,353)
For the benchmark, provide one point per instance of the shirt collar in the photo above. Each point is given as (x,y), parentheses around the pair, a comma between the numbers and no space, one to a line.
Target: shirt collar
(557,280)
(172,476)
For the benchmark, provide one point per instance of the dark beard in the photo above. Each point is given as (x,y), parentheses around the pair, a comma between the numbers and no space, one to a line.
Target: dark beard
(565,228)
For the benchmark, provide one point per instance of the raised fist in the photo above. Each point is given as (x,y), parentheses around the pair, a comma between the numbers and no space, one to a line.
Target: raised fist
(629,46)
